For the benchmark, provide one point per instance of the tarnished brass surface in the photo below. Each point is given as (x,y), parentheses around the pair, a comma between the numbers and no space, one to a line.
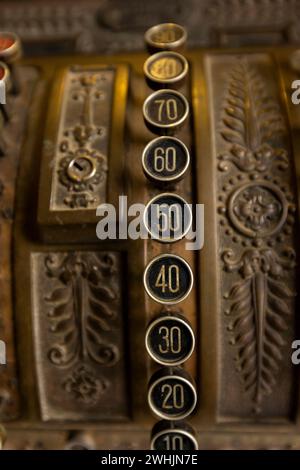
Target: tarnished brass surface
(243,138)
(12,138)
(255,201)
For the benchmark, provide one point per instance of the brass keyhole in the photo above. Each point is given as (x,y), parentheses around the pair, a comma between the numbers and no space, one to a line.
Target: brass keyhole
(81,169)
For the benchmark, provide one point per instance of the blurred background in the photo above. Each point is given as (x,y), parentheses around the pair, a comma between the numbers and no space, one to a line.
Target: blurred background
(109,26)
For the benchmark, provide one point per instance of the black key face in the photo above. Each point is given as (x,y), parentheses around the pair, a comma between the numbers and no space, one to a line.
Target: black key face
(165,159)
(172,397)
(173,439)
(170,340)
(168,279)
(168,217)
(166,109)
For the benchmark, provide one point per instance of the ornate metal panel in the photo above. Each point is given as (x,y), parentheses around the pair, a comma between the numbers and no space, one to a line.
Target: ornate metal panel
(9,162)
(80,154)
(82,157)
(69,321)
(254,177)
(78,334)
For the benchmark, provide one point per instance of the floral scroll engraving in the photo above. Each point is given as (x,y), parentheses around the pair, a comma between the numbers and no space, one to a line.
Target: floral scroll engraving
(80,309)
(257,210)
(84,387)
(259,314)
(251,119)
(256,228)
(79,334)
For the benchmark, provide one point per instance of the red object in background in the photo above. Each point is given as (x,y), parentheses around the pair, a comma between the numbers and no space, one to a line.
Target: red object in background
(2,72)
(5,42)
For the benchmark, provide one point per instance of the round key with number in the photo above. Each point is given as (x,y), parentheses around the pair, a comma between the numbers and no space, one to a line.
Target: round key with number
(168,217)
(170,339)
(168,279)
(173,436)
(165,160)
(165,36)
(165,111)
(166,68)
(172,394)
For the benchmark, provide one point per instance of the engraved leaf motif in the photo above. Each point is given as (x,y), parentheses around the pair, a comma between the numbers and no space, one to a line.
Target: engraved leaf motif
(251,115)
(251,121)
(61,322)
(258,315)
(81,311)
(232,137)
(97,322)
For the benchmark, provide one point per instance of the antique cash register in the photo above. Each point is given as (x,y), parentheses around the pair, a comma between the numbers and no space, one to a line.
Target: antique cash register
(181,339)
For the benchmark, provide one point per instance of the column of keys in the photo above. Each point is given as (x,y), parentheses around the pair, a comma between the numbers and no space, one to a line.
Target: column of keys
(168,278)
(10,53)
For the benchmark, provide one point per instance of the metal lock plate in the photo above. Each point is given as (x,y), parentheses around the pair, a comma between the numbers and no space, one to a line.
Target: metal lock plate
(168,279)
(82,153)
(171,394)
(170,340)
(168,217)
(165,159)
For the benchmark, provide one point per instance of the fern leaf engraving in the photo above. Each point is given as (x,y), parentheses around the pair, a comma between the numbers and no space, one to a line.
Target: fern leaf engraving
(251,120)
(81,310)
(259,313)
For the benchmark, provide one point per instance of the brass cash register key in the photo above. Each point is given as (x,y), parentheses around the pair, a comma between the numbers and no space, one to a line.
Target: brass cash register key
(168,217)
(168,279)
(172,394)
(165,110)
(173,436)
(165,160)
(170,339)
(5,79)
(165,36)
(11,52)
(5,75)
(166,68)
